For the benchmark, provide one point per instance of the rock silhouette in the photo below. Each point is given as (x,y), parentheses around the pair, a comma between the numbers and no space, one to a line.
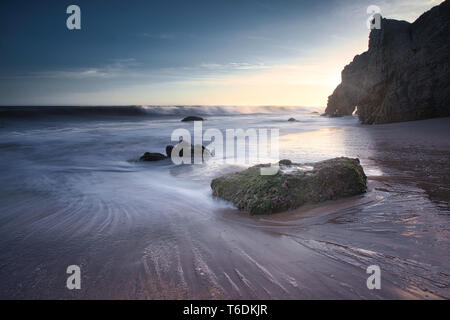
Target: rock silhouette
(405,74)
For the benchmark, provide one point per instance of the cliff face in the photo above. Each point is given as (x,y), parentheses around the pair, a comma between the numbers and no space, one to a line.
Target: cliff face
(405,74)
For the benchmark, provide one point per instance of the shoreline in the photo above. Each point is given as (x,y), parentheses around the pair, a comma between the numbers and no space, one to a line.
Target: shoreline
(154,232)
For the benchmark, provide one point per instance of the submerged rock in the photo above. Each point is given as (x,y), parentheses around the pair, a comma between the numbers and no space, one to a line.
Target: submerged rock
(169,149)
(293,186)
(193,118)
(201,150)
(152,156)
(285,162)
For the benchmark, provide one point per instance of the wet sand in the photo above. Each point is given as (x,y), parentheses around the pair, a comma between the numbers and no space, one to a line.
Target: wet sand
(187,251)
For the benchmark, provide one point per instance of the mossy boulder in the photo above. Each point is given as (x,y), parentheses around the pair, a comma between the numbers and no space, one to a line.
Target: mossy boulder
(293,186)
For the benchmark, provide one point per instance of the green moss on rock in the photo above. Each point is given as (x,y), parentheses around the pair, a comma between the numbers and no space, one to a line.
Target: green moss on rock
(293,186)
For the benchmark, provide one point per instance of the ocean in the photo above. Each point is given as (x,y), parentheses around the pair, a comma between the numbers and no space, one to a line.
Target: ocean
(72,192)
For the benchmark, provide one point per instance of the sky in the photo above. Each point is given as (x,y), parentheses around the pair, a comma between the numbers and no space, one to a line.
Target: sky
(212,52)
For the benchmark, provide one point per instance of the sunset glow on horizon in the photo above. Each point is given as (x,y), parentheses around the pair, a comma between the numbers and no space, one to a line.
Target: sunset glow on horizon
(270,53)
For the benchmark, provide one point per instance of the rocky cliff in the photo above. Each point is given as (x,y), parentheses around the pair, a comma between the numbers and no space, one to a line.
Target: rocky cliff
(405,74)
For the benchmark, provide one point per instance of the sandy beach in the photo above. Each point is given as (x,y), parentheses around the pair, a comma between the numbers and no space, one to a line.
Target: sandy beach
(154,231)
(224,159)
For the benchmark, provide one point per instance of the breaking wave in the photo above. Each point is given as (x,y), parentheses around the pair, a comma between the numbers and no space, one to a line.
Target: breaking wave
(141,111)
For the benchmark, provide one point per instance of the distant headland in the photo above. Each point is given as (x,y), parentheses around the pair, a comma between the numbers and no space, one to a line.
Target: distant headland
(404,75)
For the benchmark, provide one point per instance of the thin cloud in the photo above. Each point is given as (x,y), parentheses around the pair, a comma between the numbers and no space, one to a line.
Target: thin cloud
(160,36)
(234,66)
(116,68)
(406,10)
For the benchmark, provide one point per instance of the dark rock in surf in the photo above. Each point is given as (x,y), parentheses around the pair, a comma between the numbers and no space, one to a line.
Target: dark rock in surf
(169,149)
(293,186)
(292,120)
(199,150)
(152,156)
(192,118)
(285,162)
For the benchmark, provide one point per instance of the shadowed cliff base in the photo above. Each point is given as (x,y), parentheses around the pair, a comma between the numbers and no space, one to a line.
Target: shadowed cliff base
(404,75)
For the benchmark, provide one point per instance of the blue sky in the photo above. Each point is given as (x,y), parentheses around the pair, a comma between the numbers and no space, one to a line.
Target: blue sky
(215,52)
